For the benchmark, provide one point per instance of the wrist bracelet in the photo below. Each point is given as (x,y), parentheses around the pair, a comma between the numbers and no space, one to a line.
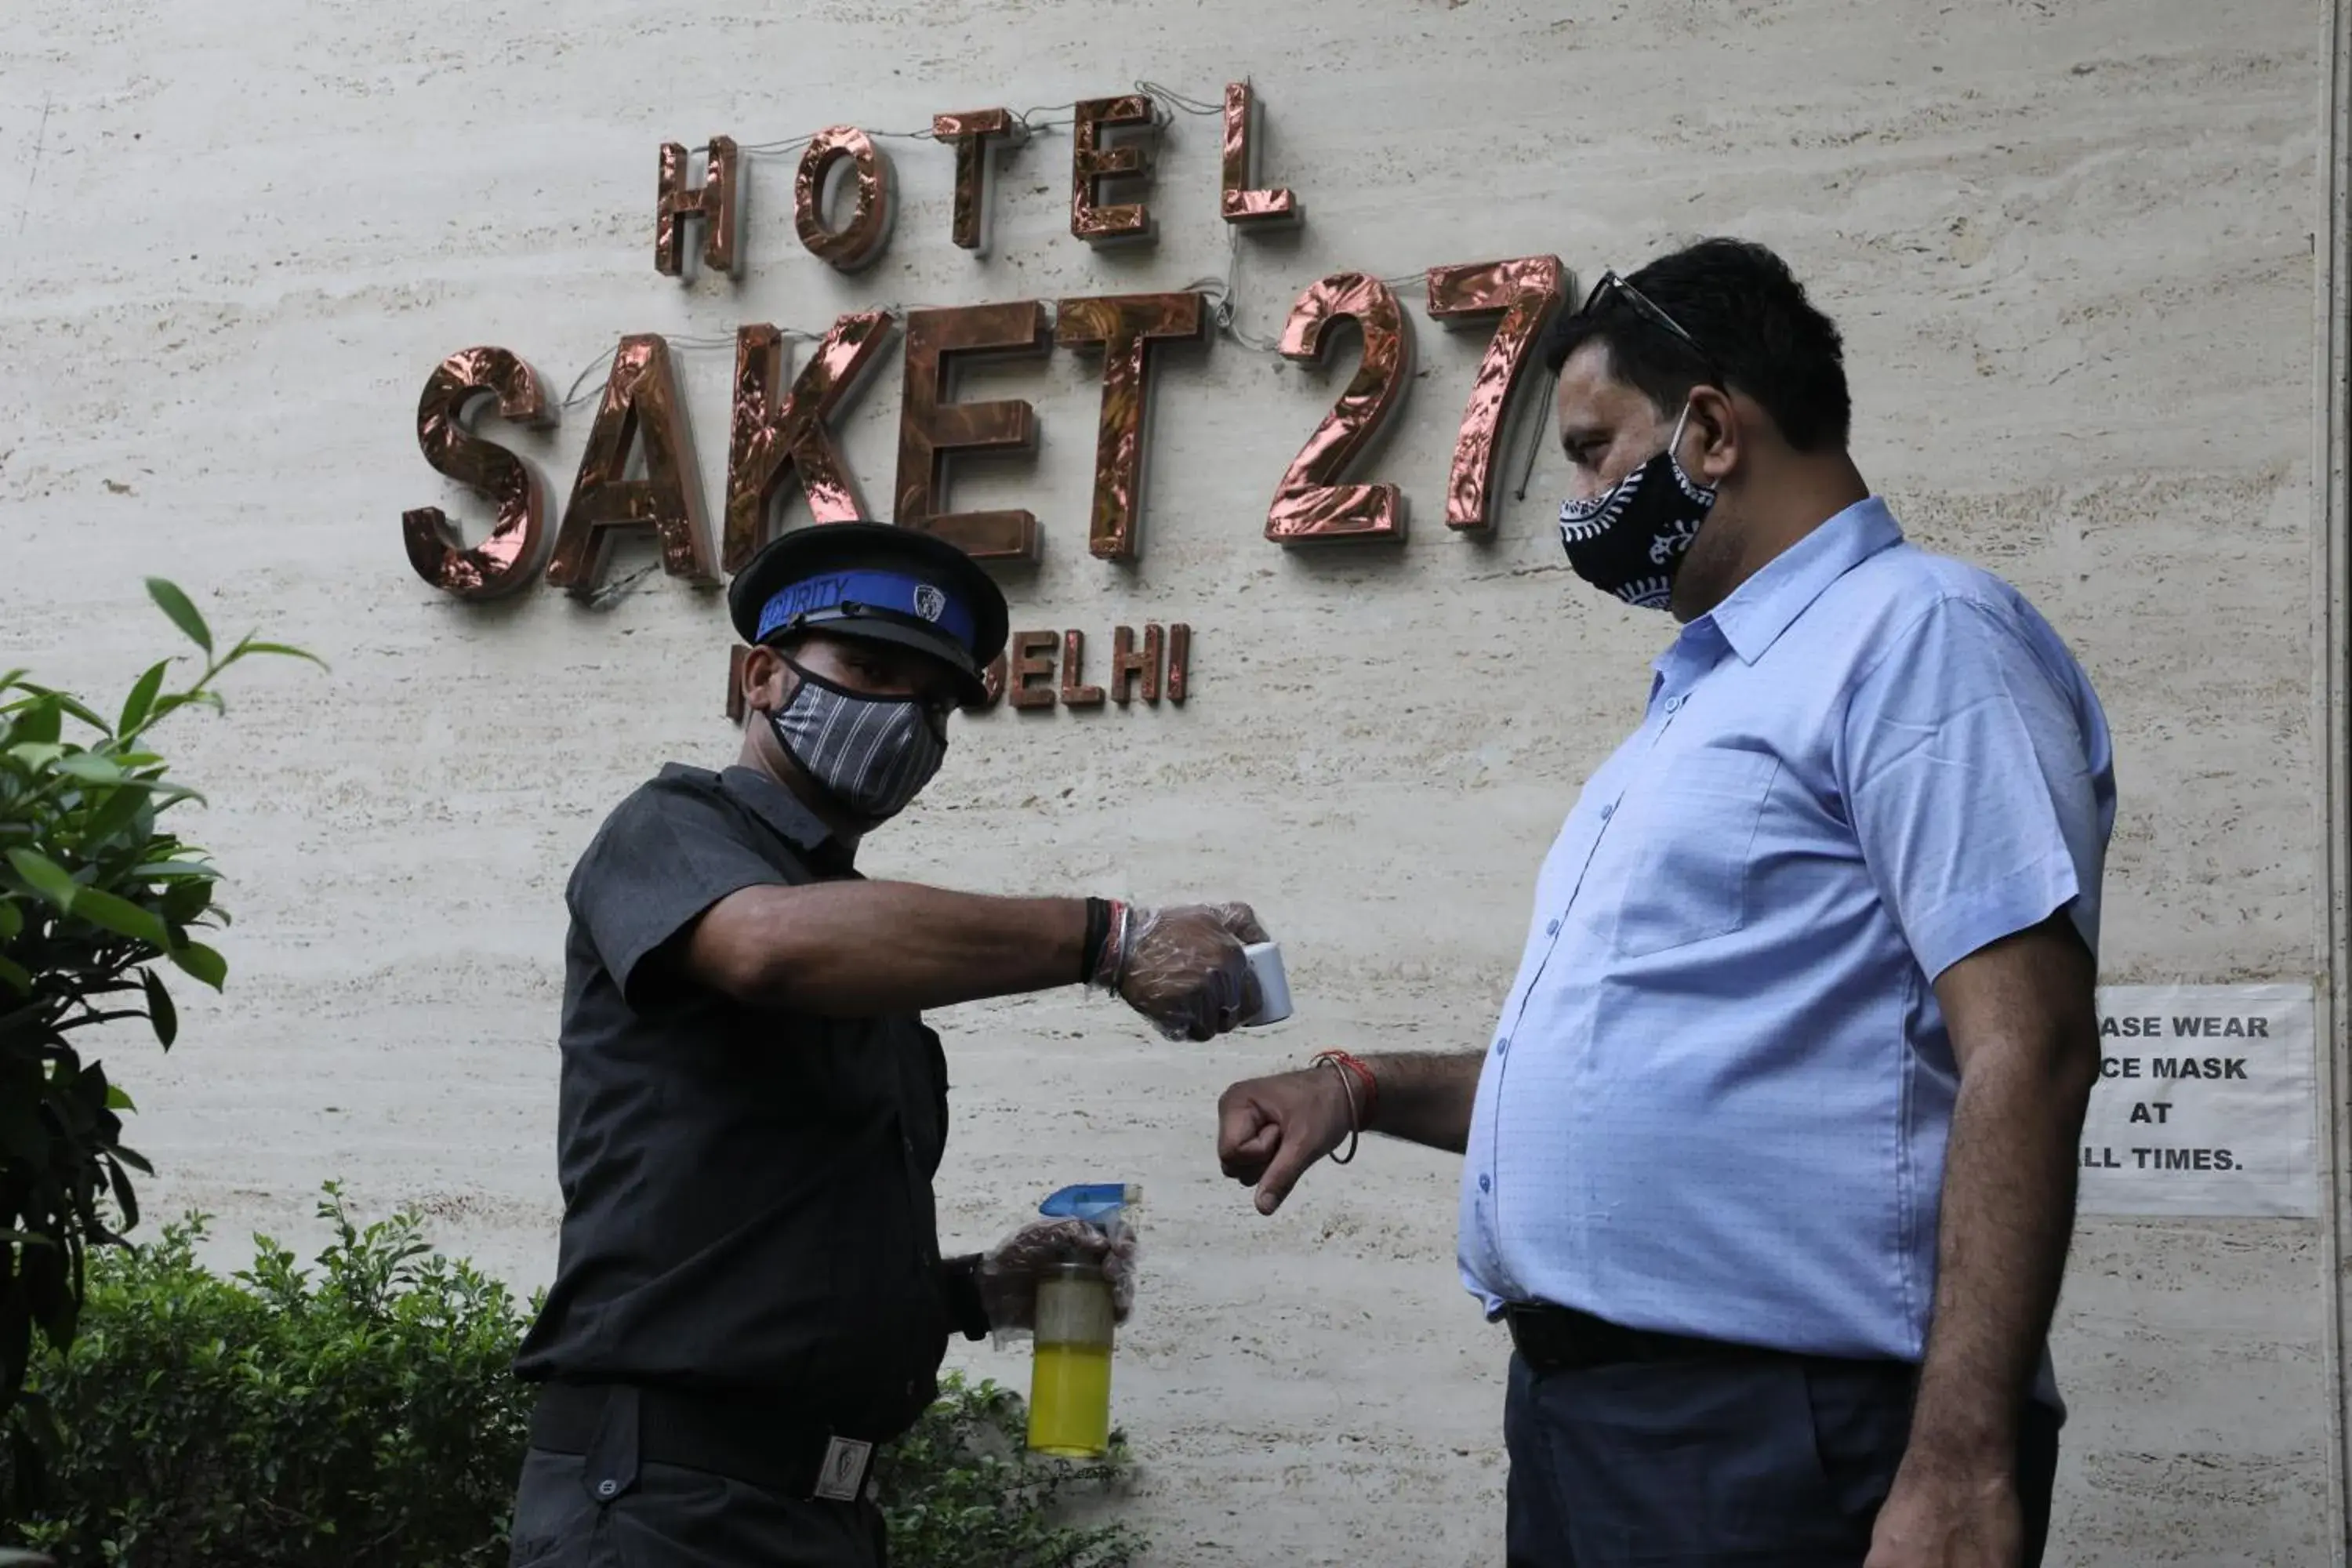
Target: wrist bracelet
(1122,920)
(1347,1087)
(1090,948)
(1363,1076)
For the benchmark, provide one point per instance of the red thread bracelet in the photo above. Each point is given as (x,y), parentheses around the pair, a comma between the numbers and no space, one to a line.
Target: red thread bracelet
(1363,1076)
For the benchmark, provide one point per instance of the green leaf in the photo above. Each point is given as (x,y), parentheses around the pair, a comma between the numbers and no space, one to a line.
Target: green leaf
(65,702)
(143,697)
(203,963)
(173,701)
(160,1010)
(116,1100)
(125,1198)
(120,811)
(15,976)
(75,706)
(158,869)
(122,916)
(175,605)
(155,789)
(37,721)
(38,754)
(165,795)
(91,768)
(12,920)
(184,900)
(283,650)
(45,877)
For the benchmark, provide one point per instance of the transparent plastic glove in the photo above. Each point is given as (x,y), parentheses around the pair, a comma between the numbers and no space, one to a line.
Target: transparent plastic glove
(1008,1276)
(1183,968)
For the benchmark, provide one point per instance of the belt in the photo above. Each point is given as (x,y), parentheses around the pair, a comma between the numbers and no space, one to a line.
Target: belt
(1561,1339)
(744,1438)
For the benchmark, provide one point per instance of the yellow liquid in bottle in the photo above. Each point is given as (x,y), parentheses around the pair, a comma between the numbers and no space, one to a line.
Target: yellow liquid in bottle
(1069,1400)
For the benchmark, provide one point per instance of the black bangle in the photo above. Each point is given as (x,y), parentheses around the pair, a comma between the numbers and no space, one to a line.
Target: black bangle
(1097,933)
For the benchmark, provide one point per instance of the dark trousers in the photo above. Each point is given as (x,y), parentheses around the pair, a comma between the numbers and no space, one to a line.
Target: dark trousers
(1763,1462)
(666,1516)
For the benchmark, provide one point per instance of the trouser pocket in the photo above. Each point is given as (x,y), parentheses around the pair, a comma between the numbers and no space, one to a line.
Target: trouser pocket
(557,1524)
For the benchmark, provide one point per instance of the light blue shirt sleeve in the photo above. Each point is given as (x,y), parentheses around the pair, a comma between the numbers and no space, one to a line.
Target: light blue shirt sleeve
(1974,777)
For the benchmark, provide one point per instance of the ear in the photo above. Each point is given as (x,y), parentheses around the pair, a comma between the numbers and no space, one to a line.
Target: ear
(767,680)
(1720,443)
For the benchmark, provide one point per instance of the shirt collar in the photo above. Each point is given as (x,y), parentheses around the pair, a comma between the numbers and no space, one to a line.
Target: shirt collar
(1769,603)
(781,809)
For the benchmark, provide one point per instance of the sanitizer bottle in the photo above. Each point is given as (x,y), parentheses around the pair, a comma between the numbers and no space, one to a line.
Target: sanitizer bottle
(1070,1377)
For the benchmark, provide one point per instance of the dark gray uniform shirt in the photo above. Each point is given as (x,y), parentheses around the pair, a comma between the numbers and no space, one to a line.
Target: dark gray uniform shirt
(747,1193)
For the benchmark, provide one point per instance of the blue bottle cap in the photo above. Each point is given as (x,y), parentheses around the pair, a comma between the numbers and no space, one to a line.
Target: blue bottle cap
(1096,1201)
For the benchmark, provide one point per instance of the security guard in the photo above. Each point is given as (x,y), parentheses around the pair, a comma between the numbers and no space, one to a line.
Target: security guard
(749,1293)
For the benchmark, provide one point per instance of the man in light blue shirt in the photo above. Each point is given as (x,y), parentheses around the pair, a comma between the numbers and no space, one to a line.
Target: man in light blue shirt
(1769,1163)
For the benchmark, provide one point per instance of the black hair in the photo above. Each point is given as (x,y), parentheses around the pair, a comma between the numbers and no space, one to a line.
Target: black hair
(1755,331)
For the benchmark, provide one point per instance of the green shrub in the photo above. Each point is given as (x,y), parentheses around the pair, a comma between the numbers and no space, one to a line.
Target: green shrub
(361,1414)
(962,1490)
(95,896)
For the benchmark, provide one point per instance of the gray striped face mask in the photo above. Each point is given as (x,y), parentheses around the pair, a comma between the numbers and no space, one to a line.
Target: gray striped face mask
(873,755)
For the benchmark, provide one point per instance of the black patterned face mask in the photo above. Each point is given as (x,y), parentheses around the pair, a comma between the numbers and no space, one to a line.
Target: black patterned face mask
(1630,540)
(873,755)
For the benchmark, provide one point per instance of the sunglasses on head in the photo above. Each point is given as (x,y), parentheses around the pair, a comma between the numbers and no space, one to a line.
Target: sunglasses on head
(1612,288)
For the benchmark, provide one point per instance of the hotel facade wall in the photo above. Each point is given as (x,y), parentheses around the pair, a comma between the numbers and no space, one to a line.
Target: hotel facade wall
(2076,248)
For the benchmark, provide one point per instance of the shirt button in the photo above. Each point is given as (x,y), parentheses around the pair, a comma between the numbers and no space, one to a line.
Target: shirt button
(1608,811)
(1674,703)
(606,1488)
(1502,1045)
(1486,1183)
(1552,929)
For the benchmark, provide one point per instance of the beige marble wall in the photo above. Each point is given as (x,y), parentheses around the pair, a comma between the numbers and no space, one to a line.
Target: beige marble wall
(2072,243)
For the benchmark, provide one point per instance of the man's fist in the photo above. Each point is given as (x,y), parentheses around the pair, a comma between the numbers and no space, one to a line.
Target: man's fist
(1942,1517)
(1269,1130)
(1184,969)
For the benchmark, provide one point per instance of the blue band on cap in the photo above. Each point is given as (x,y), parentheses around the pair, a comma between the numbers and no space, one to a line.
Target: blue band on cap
(877,591)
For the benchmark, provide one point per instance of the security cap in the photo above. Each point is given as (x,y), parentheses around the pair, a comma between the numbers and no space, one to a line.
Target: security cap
(878,582)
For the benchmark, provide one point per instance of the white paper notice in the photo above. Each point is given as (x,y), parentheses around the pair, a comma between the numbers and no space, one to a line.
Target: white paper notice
(2205,1105)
